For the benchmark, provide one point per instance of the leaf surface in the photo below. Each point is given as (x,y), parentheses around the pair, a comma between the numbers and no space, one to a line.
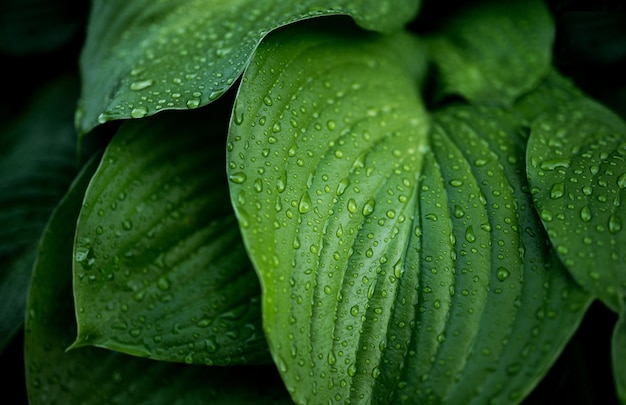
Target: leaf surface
(159,267)
(493,51)
(399,255)
(141,57)
(577,169)
(37,164)
(94,376)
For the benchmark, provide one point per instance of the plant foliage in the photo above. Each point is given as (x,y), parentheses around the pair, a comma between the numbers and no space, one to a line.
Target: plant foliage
(321,202)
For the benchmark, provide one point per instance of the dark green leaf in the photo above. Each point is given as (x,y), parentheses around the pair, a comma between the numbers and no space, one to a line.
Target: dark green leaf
(493,50)
(37,164)
(160,270)
(95,376)
(144,56)
(577,170)
(395,267)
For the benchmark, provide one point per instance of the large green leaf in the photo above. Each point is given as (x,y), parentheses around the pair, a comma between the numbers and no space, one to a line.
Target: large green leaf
(492,50)
(577,169)
(141,57)
(95,376)
(159,266)
(395,266)
(37,164)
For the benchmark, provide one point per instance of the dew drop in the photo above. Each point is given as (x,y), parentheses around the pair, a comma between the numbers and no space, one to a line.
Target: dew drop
(557,191)
(458,212)
(469,234)
(193,103)
(352,207)
(354,311)
(369,207)
(141,84)
(139,112)
(238,178)
(305,203)
(555,163)
(615,224)
(621,181)
(585,213)
(342,186)
(503,273)
(456,183)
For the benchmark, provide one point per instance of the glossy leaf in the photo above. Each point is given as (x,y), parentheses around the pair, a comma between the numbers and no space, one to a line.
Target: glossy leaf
(159,267)
(141,57)
(37,164)
(493,51)
(399,262)
(94,376)
(577,168)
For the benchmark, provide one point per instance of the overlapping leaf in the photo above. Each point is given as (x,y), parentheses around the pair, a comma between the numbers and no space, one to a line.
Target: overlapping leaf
(141,57)
(37,163)
(395,266)
(493,51)
(159,266)
(577,169)
(95,376)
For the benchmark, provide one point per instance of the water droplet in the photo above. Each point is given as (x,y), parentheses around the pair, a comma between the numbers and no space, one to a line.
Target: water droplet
(352,207)
(163,283)
(139,112)
(281,182)
(305,203)
(557,191)
(503,273)
(342,186)
(193,103)
(458,212)
(621,181)
(332,358)
(480,162)
(258,185)
(585,213)
(555,163)
(369,207)
(267,100)
(141,84)
(354,311)
(469,234)
(546,215)
(127,225)
(238,178)
(615,223)
(456,183)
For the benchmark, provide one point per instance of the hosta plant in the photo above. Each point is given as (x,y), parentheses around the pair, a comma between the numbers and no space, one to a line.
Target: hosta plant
(321,202)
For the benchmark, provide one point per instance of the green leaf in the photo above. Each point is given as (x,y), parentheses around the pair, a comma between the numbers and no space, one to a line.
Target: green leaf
(577,169)
(396,266)
(141,57)
(159,266)
(95,376)
(37,164)
(493,50)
